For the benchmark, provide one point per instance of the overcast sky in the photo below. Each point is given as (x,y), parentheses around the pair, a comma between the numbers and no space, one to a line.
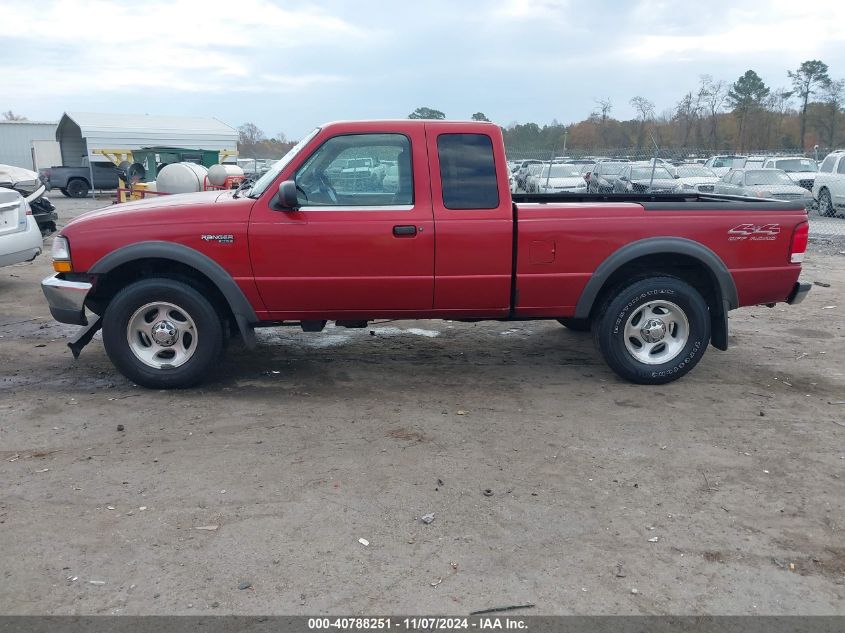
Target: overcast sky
(289,66)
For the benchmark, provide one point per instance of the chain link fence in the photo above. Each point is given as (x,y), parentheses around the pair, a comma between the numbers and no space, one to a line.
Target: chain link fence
(785,175)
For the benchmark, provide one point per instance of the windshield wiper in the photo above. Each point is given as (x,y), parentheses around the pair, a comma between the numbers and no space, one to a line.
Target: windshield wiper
(246,184)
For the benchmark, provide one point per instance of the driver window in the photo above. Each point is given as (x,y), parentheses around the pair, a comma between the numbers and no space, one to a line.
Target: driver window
(358,170)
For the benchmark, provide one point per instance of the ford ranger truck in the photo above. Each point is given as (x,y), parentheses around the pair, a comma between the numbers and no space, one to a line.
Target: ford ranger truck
(653,276)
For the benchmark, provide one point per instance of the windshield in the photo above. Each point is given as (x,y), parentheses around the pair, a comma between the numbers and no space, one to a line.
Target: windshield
(262,183)
(695,171)
(644,173)
(767,177)
(734,162)
(561,171)
(797,164)
(534,169)
(611,168)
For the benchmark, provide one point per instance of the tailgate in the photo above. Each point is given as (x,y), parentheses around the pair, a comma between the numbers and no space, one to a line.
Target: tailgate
(12,212)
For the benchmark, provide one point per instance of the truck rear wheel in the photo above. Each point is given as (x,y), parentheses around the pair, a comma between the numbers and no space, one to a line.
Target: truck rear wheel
(162,334)
(653,331)
(77,188)
(65,192)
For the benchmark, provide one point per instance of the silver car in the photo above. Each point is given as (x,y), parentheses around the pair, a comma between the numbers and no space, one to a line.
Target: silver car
(20,237)
(763,183)
(692,178)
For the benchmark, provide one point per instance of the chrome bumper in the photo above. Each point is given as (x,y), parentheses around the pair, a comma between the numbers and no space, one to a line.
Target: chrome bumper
(66,299)
(799,292)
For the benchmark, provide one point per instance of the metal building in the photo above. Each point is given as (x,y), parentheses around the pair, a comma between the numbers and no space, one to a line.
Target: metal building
(16,141)
(79,133)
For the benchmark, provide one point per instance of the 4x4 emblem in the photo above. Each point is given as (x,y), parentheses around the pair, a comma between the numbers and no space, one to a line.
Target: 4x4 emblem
(754,232)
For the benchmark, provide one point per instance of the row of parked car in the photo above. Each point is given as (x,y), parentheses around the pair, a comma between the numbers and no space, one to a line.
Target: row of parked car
(793,178)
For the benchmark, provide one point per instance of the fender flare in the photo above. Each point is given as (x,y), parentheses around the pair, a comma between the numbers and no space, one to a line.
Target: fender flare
(242,310)
(659,246)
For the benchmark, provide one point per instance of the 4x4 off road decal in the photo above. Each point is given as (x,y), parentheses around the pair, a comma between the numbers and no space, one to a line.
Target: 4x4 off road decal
(754,232)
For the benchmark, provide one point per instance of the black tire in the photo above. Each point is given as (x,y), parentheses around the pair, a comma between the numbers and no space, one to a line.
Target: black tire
(77,188)
(65,192)
(576,325)
(625,303)
(826,208)
(209,333)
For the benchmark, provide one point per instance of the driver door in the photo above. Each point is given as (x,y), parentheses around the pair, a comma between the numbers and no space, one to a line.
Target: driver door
(362,242)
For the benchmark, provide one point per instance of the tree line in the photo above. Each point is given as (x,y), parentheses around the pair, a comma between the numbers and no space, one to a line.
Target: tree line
(715,116)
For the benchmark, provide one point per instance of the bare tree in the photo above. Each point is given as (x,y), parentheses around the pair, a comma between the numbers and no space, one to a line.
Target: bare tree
(645,113)
(605,106)
(250,134)
(686,114)
(713,94)
(11,116)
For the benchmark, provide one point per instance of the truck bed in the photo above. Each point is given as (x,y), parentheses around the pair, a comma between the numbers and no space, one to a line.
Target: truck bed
(663,201)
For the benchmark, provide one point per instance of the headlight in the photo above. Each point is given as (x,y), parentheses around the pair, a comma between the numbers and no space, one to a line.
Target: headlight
(763,194)
(61,255)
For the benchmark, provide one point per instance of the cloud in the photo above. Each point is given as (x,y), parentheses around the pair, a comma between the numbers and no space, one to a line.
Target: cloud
(295,64)
(174,46)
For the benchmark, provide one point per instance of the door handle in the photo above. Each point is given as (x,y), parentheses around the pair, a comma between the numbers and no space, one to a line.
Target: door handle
(405,230)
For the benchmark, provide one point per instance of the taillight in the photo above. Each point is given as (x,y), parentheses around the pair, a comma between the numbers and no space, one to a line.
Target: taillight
(799,243)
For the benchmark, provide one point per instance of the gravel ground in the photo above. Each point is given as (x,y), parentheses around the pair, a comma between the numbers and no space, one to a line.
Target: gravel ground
(551,481)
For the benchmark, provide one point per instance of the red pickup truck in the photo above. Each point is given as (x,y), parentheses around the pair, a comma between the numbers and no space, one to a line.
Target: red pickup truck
(429,230)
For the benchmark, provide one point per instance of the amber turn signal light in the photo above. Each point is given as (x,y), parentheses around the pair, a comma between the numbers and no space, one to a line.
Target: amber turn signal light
(62,267)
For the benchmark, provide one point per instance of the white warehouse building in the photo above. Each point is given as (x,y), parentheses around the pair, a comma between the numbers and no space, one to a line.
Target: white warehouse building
(79,133)
(28,144)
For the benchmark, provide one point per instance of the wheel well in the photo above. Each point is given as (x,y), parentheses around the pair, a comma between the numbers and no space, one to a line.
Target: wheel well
(684,267)
(82,178)
(109,284)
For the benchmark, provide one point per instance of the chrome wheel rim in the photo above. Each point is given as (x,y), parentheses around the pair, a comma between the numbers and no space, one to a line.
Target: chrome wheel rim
(656,332)
(162,335)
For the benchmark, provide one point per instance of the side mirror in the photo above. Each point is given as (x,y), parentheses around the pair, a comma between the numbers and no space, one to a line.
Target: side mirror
(287,195)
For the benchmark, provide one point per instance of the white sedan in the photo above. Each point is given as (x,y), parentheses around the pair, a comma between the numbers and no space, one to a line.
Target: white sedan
(20,237)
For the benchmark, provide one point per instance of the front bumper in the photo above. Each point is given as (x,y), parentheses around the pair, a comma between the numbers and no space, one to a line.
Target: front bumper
(66,299)
(799,292)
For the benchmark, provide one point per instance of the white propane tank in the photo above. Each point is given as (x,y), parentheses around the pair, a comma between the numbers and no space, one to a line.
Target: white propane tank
(217,174)
(181,178)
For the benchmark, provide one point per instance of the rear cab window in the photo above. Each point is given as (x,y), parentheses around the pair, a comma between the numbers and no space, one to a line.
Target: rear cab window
(467,171)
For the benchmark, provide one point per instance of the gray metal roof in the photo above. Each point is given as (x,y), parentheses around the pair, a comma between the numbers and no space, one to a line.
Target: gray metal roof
(133,131)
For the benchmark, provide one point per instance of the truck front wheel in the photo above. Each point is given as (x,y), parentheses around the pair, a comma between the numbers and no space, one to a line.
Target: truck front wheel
(653,331)
(77,188)
(162,334)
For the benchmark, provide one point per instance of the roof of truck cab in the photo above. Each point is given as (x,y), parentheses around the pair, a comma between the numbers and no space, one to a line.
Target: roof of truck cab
(406,122)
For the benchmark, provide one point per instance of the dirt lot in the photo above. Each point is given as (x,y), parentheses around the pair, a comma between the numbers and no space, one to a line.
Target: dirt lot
(722,493)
